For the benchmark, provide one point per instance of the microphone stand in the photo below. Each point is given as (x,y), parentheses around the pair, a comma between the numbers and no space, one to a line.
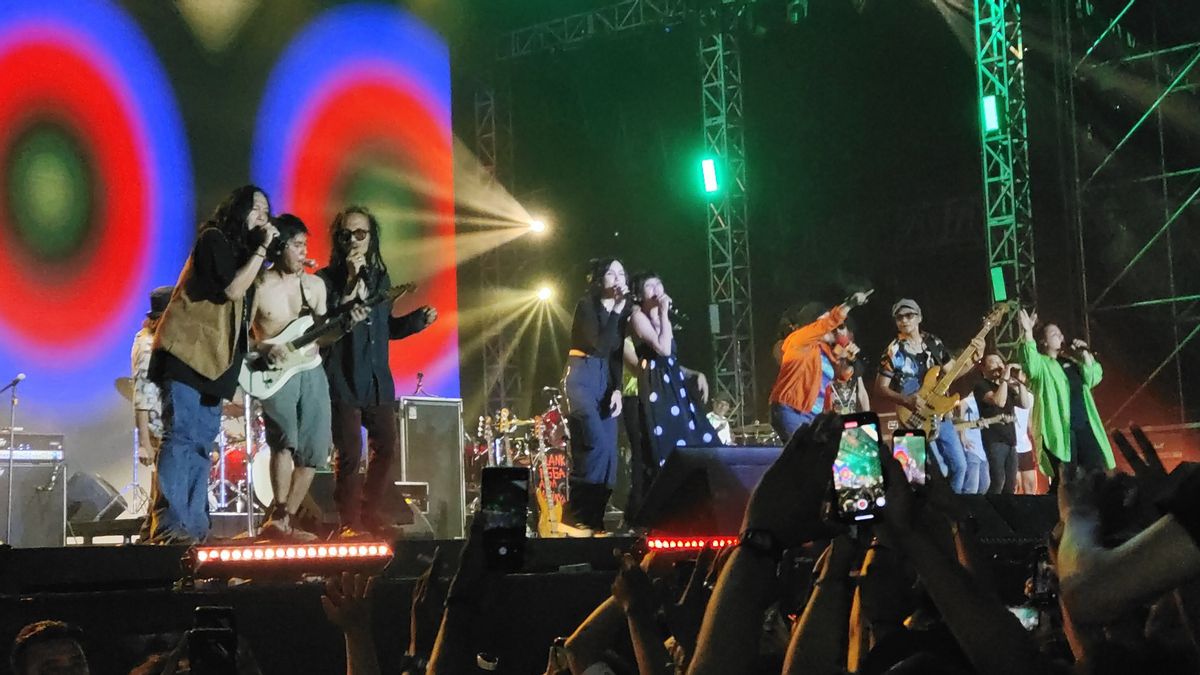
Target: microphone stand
(12,447)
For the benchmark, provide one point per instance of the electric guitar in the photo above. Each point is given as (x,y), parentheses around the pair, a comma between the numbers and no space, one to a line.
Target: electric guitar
(549,508)
(1002,418)
(261,379)
(934,392)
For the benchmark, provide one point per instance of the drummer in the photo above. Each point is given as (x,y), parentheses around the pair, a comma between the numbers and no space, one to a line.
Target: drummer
(722,404)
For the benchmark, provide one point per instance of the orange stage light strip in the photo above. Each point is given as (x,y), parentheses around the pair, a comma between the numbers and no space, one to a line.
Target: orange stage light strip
(688,543)
(256,553)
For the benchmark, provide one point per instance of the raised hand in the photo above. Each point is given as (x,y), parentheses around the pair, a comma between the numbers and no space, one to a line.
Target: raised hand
(1027,321)
(631,588)
(428,601)
(787,501)
(860,298)
(346,601)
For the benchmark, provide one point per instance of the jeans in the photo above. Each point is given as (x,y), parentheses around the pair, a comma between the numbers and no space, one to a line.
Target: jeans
(950,455)
(189,427)
(593,428)
(976,479)
(785,420)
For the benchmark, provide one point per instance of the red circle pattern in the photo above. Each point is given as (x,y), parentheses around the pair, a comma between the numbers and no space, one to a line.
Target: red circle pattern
(61,306)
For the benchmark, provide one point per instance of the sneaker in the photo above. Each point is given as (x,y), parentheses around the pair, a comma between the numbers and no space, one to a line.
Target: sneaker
(351,533)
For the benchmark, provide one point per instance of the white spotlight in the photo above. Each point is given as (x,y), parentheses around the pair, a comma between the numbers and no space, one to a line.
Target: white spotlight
(545,293)
(537,226)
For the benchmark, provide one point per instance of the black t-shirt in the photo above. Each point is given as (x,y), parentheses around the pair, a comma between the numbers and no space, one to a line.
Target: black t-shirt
(1079,416)
(598,332)
(996,433)
(214,265)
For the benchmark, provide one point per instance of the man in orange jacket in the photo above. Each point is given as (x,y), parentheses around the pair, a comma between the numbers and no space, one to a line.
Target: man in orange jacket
(806,369)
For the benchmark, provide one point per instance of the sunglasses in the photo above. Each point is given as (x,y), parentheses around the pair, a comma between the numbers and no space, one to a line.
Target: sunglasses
(907,315)
(357,235)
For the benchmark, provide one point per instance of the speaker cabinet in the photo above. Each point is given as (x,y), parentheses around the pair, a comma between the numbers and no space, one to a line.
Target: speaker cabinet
(39,503)
(431,451)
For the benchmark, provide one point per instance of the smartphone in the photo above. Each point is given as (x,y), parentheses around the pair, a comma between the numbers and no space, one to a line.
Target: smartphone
(213,616)
(504,495)
(911,449)
(212,651)
(858,485)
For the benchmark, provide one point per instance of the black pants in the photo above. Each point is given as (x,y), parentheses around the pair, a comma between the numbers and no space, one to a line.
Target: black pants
(1002,467)
(642,469)
(359,502)
(1085,453)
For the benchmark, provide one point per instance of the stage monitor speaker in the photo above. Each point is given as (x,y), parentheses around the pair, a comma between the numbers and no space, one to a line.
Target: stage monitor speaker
(431,451)
(39,500)
(90,498)
(704,491)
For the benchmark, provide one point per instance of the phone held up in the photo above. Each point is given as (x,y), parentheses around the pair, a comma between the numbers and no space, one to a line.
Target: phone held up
(910,447)
(504,495)
(212,642)
(858,485)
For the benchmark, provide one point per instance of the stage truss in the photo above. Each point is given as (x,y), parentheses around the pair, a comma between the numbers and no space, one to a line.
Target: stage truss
(1135,179)
(1008,214)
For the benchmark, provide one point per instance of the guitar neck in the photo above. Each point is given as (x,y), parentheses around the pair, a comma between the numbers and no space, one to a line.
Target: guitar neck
(317,333)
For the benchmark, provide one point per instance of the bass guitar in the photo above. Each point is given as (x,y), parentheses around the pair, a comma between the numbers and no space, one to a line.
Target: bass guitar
(1003,418)
(261,379)
(934,394)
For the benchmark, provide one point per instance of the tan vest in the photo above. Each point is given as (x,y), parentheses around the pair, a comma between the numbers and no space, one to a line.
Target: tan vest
(201,333)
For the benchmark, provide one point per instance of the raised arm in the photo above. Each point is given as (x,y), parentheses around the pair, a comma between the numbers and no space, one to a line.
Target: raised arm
(820,635)
(247,273)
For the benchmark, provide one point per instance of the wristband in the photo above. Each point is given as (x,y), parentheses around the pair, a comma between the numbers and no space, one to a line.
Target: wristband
(762,543)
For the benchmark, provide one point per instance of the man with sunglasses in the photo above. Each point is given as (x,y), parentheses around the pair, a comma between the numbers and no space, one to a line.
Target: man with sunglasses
(902,368)
(361,389)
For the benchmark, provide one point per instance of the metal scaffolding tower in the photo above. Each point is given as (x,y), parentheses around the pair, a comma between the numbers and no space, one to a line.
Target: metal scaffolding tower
(1136,184)
(726,211)
(1004,140)
(726,218)
(501,378)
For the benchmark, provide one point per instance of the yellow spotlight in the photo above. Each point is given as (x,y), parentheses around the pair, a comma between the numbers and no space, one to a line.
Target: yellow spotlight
(545,293)
(537,226)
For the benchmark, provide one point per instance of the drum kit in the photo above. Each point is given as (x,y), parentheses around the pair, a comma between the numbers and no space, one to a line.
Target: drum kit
(505,439)
(756,434)
(241,463)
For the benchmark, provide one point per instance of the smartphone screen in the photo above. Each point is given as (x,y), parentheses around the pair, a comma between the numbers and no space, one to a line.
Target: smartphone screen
(504,495)
(858,485)
(911,449)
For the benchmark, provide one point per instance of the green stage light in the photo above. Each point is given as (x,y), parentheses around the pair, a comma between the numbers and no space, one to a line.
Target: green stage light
(709,168)
(999,289)
(991,115)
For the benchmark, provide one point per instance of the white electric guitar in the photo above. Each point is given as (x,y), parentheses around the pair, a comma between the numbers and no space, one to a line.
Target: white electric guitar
(261,379)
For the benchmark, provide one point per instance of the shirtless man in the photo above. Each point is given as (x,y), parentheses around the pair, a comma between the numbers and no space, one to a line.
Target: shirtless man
(298,415)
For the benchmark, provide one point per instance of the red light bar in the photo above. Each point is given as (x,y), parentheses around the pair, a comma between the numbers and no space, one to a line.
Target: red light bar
(256,553)
(688,543)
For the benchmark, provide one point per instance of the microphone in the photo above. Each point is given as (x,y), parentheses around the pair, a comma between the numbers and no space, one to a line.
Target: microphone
(16,380)
(310,263)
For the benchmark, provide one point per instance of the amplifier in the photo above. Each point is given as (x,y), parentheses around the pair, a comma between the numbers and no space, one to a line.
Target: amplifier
(431,451)
(39,502)
(33,448)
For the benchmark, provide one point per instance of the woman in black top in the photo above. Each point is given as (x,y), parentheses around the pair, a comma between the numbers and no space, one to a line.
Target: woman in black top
(593,387)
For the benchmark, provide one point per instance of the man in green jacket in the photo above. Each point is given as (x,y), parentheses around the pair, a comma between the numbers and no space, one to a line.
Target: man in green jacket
(1065,424)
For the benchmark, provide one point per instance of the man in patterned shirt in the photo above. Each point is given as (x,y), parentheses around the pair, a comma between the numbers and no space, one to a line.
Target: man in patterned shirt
(901,370)
(147,401)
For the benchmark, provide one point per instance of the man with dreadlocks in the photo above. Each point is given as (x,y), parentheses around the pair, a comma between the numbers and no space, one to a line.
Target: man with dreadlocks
(361,389)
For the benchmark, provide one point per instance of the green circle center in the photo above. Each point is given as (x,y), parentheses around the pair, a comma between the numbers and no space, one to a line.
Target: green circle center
(49,191)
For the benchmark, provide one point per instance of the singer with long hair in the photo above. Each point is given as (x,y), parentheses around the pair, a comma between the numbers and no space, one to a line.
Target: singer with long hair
(361,389)
(198,348)
(1065,424)
(593,388)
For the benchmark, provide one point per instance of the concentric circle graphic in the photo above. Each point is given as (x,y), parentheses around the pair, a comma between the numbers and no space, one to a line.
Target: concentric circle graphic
(95,193)
(339,111)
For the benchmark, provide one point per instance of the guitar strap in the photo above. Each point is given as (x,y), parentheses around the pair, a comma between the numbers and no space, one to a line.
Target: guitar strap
(305,308)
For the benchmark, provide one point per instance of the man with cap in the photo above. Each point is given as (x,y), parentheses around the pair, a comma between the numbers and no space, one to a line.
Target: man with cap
(902,368)
(147,401)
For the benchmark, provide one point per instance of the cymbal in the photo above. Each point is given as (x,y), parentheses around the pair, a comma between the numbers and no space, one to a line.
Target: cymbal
(753,429)
(124,387)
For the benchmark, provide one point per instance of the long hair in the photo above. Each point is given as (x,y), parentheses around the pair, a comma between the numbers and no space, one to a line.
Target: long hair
(595,277)
(230,216)
(341,245)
